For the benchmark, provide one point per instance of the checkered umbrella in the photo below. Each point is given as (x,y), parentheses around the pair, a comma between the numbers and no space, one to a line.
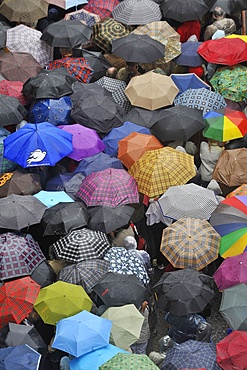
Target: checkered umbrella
(159,169)
(24,39)
(86,273)
(80,245)
(77,67)
(85,17)
(133,12)
(190,242)
(20,255)
(103,8)
(27,11)
(16,300)
(13,88)
(110,187)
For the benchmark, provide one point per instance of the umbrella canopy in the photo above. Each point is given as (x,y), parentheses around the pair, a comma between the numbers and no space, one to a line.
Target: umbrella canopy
(133,146)
(96,163)
(241,190)
(14,89)
(22,356)
(191,354)
(186,291)
(151,91)
(185,81)
(39,144)
(11,110)
(178,123)
(61,300)
(80,245)
(190,242)
(97,62)
(144,117)
(66,4)
(17,298)
(136,12)
(189,200)
(82,15)
(118,290)
(77,67)
(238,201)
(58,181)
(72,186)
(27,11)
(19,183)
(231,351)
(186,10)
(5,164)
(231,7)
(230,82)
(51,198)
(43,274)
(82,333)
(233,306)
(85,273)
(3,33)
(24,39)
(85,91)
(85,141)
(110,187)
(189,55)
(159,169)
(138,48)
(101,7)
(20,255)
(126,324)
(129,361)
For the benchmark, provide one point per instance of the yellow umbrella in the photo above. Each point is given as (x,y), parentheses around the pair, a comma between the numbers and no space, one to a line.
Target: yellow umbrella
(234,36)
(159,169)
(151,91)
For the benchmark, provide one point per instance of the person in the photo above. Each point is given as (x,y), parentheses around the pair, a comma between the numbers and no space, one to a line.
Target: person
(117,236)
(140,346)
(220,22)
(55,14)
(131,245)
(204,332)
(126,73)
(209,154)
(165,343)
(111,72)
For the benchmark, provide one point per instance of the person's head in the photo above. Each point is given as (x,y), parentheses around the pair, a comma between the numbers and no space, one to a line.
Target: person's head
(130,243)
(218,13)
(132,66)
(111,72)
(65,52)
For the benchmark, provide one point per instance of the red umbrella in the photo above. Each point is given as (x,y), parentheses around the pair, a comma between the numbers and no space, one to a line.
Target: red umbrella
(227,51)
(13,88)
(102,8)
(232,351)
(77,67)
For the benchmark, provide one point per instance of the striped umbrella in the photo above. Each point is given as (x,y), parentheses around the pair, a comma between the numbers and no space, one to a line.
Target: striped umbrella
(132,12)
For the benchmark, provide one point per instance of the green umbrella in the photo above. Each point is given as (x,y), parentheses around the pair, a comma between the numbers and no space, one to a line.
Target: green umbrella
(129,362)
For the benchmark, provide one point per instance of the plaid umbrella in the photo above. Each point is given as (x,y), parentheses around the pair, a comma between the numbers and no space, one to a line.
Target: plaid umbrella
(5,164)
(129,361)
(17,298)
(231,351)
(13,88)
(191,354)
(20,183)
(103,8)
(77,67)
(123,262)
(96,163)
(80,245)
(110,187)
(24,39)
(105,31)
(85,17)
(19,66)
(189,55)
(133,12)
(20,255)
(187,10)
(85,273)
(159,169)
(11,110)
(27,11)
(190,242)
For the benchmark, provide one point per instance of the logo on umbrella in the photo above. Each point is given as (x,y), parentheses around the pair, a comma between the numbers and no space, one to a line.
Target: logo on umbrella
(36,156)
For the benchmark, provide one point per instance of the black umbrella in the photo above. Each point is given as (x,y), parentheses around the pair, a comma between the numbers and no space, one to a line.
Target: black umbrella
(3,34)
(44,274)
(97,62)
(49,84)
(178,123)
(231,6)
(82,91)
(138,48)
(66,33)
(11,111)
(186,10)
(73,185)
(145,117)
(118,290)
(132,12)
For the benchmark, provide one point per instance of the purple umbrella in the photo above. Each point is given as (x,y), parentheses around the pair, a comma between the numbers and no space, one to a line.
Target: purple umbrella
(85,141)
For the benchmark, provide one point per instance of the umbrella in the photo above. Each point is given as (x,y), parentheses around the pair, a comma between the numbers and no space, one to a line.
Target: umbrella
(82,15)
(97,62)
(185,81)
(66,4)
(138,48)
(19,211)
(135,13)
(129,361)
(55,111)
(133,146)
(77,67)
(123,262)
(5,164)
(116,134)
(27,11)
(233,306)
(85,273)
(19,183)
(72,186)
(20,255)
(51,198)
(24,39)
(39,144)
(151,91)
(191,354)
(186,291)
(118,290)
(110,187)
(190,242)
(159,169)
(96,163)
(22,356)
(178,123)
(144,117)
(14,89)
(126,324)
(188,200)
(241,190)
(186,10)
(19,66)
(103,8)
(43,274)
(85,141)
(80,245)
(11,110)
(231,6)
(202,99)
(86,91)
(238,202)
(61,300)
(3,33)
(189,55)
(82,333)
(230,82)
(62,218)
(231,351)
(17,298)
(49,84)
(228,51)
(58,182)
(108,219)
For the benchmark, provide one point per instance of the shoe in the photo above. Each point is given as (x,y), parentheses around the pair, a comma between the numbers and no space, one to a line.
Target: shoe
(161,267)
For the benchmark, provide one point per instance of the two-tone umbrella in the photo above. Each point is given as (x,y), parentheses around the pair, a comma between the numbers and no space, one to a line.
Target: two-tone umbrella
(27,11)
(137,12)
(96,163)
(231,351)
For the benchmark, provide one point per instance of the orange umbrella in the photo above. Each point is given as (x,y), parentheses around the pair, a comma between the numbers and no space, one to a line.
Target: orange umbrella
(133,146)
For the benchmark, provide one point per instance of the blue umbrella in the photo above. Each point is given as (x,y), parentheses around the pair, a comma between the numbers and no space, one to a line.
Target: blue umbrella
(82,333)
(185,81)
(20,357)
(51,198)
(189,56)
(55,111)
(39,144)
(111,140)
(58,182)
(95,358)
(96,163)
